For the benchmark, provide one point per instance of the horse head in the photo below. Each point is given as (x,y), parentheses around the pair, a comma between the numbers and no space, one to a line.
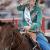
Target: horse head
(9,35)
(6,35)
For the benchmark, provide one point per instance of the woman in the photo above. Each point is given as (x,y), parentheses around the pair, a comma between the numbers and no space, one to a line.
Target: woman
(36,17)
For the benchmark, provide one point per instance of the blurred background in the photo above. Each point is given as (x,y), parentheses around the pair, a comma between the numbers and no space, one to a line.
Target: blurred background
(9,12)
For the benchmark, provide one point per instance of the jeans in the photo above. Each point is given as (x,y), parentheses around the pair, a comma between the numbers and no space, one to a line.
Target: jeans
(42,41)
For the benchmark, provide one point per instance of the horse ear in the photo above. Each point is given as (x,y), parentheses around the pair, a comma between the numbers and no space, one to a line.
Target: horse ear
(2,23)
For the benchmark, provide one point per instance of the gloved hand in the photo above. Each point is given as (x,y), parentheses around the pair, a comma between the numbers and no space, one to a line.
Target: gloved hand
(27,28)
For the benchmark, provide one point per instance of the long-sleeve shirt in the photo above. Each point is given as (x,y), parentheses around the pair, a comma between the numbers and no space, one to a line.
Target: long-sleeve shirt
(36,21)
(37,18)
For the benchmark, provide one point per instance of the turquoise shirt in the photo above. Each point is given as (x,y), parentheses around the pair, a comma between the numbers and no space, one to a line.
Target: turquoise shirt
(22,8)
(36,20)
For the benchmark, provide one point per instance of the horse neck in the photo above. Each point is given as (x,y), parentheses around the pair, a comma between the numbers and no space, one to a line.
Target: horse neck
(17,39)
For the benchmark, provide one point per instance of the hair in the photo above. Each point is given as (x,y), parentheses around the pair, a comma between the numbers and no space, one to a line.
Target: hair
(36,2)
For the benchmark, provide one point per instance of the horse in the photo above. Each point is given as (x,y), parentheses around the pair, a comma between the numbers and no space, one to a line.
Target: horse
(12,39)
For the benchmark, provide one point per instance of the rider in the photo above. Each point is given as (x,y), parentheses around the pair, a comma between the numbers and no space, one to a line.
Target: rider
(36,18)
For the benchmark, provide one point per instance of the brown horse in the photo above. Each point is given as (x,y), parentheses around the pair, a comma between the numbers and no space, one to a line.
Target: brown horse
(12,39)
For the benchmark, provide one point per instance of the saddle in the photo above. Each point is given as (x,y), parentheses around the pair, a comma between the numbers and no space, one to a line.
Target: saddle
(31,36)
